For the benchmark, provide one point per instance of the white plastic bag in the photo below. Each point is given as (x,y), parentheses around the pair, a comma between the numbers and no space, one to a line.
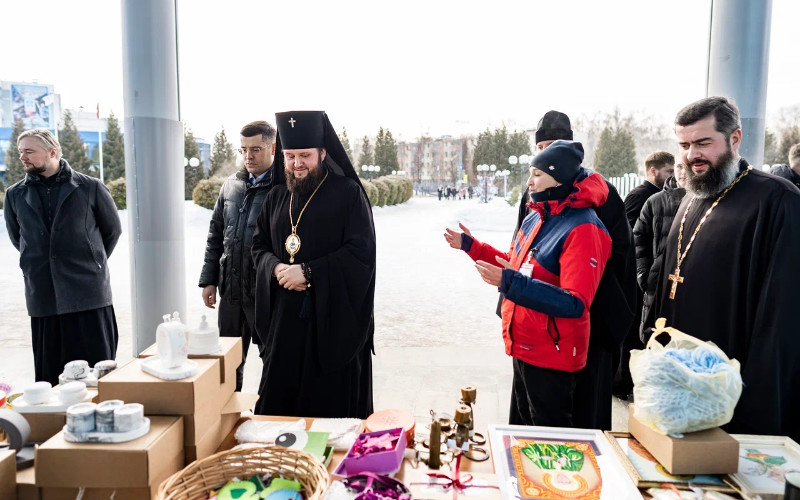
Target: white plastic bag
(686,386)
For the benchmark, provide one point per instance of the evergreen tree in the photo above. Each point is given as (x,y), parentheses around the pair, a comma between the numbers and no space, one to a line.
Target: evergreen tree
(616,152)
(14,169)
(113,151)
(390,151)
(386,151)
(366,157)
(483,154)
(73,149)
(789,137)
(221,152)
(192,175)
(346,144)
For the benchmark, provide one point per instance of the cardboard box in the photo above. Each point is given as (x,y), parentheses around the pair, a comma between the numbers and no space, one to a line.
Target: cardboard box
(140,463)
(45,425)
(197,398)
(146,493)
(207,445)
(8,474)
(711,451)
(26,485)
(29,491)
(230,358)
(164,397)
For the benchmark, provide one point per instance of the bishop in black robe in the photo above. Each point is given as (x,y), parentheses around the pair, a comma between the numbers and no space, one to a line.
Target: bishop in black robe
(319,342)
(740,290)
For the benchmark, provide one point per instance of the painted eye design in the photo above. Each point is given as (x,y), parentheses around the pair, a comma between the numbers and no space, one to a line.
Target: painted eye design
(296,440)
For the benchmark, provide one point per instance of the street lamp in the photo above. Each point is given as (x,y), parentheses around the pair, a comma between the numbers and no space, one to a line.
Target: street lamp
(364,169)
(524,162)
(504,175)
(485,169)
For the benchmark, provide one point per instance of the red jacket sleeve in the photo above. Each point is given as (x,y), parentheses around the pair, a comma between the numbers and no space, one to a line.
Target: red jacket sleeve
(485,252)
(583,259)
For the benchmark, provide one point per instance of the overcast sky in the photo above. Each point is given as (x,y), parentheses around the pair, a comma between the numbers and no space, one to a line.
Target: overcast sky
(437,67)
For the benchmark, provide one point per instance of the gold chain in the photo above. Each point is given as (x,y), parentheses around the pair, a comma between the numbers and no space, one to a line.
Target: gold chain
(708,212)
(291,202)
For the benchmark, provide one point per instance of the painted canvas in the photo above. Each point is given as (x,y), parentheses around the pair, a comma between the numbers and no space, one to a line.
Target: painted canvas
(763,461)
(554,463)
(646,472)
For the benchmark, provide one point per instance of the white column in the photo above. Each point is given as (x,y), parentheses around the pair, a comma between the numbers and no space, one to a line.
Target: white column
(153,164)
(738,65)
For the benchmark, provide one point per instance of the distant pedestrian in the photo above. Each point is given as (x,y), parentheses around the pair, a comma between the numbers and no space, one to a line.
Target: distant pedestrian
(440,191)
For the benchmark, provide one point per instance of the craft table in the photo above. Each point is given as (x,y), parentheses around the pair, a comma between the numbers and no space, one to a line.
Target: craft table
(408,473)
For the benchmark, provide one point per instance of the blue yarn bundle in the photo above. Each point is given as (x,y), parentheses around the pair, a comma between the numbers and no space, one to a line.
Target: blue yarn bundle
(684,390)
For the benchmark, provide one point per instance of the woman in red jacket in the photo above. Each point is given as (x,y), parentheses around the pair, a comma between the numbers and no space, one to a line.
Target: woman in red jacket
(549,278)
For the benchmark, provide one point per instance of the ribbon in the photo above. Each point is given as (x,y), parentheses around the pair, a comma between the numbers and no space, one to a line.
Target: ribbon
(456,482)
(372,486)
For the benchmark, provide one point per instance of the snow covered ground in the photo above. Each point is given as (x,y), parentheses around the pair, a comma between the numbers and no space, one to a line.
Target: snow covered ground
(436,328)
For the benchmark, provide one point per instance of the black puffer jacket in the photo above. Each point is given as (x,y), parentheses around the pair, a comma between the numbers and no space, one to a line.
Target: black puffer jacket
(650,234)
(228,263)
(787,173)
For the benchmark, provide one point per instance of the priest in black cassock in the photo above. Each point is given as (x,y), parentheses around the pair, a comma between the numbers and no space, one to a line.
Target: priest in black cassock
(314,252)
(731,273)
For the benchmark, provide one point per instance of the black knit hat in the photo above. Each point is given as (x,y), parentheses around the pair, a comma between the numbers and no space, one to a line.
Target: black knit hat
(554,125)
(561,160)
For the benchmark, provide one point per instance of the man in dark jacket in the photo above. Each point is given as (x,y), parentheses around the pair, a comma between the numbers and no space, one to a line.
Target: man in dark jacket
(650,235)
(65,226)
(228,262)
(658,166)
(611,312)
(790,172)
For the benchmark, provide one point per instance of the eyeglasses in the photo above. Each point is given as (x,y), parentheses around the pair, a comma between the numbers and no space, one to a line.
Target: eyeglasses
(254,150)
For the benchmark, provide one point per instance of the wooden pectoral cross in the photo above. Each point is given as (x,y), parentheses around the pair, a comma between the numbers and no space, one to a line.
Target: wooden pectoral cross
(675,279)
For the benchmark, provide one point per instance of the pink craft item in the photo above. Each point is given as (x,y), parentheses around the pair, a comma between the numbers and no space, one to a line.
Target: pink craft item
(380,452)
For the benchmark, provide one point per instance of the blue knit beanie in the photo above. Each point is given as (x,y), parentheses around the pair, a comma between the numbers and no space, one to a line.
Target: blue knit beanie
(561,160)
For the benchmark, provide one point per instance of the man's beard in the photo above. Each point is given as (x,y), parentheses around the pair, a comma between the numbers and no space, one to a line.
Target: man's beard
(33,169)
(717,177)
(306,185)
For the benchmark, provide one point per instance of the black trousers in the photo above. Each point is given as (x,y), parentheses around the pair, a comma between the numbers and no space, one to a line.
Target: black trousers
(237,321)
(541,396)
(88,335)
(592,397)
(623,383)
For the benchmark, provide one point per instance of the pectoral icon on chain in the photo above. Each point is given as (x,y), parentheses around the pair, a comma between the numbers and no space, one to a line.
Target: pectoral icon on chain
(292,246)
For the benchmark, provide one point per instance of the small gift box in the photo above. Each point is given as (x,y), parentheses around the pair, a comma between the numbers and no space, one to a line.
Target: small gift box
(380,452)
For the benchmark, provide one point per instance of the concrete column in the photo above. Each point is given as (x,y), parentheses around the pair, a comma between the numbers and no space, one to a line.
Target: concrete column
(153,164)
(738,65)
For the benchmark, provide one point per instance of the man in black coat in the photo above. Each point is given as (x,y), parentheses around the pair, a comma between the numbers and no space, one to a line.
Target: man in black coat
(737,285)
(314,250)
(612,311)
(228,260)
(658,166)
(790,172)
(65,226)
(650,235)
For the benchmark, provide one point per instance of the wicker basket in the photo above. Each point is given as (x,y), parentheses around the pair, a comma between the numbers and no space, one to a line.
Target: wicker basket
(197,479)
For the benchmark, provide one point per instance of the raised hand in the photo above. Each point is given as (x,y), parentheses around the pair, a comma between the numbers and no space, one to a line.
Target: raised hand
(453,238)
